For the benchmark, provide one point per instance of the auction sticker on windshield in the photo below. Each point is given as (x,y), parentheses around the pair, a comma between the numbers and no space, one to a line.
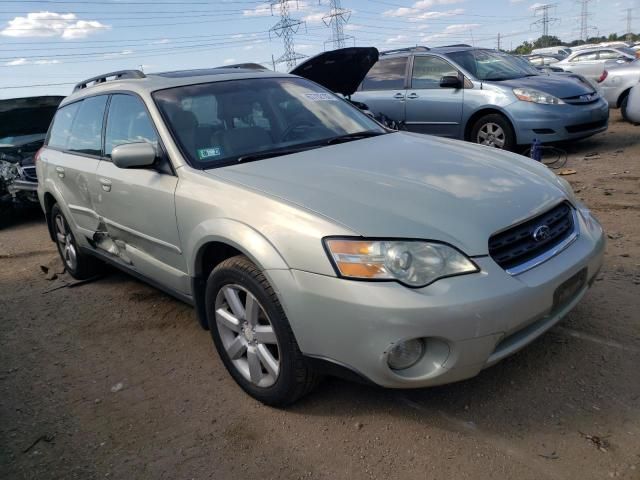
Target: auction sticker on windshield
(204,153)
(321,97)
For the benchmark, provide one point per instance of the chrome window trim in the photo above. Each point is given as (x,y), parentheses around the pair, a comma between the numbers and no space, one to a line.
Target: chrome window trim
(549,254)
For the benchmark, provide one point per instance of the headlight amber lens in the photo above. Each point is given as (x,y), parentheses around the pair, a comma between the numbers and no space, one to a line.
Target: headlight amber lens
(414,263)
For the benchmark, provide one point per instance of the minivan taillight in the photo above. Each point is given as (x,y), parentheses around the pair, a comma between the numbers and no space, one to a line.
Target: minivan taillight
(603,77)
(36,157)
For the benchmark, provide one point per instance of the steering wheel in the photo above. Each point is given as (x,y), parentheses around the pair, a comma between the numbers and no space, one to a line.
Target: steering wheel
(295,125)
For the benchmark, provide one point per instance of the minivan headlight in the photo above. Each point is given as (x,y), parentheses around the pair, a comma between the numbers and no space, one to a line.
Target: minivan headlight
(536,96)
(414,263)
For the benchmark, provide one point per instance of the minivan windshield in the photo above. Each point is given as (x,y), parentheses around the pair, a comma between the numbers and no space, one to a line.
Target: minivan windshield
(491,65)
(222,123)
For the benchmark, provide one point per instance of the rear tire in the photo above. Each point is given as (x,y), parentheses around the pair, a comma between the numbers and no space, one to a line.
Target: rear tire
(493,130)
(252,334)
(79,265)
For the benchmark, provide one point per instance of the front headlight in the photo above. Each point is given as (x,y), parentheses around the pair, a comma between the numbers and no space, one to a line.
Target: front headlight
(414,263)
(536,96)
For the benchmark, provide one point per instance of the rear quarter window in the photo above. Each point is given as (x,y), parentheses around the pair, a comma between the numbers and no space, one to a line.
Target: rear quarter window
(61,126)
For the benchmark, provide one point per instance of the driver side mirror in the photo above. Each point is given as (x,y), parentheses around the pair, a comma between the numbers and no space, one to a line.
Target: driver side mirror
(450,81)
(133,155)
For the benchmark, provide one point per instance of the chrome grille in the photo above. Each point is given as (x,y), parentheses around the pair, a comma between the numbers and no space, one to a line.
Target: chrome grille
(533,238)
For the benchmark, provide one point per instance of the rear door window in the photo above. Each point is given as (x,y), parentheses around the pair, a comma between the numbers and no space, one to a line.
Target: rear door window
(61,127)
(128,122)
(428,71)
(586,57)
(387,74)
(86,131)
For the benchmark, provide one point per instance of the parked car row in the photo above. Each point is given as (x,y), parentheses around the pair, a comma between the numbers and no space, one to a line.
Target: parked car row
(474,94)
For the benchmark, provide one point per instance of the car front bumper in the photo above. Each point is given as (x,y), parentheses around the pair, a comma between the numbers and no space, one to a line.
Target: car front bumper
(469,322)
(556,123)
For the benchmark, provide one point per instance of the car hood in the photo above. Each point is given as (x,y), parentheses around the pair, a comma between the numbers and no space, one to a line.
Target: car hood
(561,86)
(408,186)
(27,116)
(341,71)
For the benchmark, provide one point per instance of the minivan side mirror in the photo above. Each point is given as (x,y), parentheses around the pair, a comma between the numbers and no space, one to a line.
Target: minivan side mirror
(450,81)
(133,155)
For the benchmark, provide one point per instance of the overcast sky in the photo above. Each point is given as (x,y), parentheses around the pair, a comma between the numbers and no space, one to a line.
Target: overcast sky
(56,42)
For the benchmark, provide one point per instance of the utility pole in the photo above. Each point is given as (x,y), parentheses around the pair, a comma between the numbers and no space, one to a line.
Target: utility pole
(584,19)
(546,20)
(286,28)
(629,35)
(336,19)
(498,41)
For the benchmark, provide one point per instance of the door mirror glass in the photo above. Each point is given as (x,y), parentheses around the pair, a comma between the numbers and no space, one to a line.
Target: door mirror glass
(450,82)
(133,155)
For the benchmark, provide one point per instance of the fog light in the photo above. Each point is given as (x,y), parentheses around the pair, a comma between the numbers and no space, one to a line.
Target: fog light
(405,354)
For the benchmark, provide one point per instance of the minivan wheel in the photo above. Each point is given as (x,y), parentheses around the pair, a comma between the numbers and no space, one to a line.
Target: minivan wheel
(252,334)
(78,264)
(493,131)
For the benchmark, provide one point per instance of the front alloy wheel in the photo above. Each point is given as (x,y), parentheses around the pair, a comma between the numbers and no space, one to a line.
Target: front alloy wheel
(247,335)
(492,135)
(252,334)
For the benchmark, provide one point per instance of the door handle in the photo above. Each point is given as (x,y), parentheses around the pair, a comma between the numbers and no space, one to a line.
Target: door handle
(413,95)
(60,171)
(399,96)
(106,184)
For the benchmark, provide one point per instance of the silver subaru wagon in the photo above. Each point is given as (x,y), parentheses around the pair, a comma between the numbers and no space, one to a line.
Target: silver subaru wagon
(310,239)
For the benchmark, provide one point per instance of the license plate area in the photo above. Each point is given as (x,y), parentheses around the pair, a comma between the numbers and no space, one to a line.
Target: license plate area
(568,289)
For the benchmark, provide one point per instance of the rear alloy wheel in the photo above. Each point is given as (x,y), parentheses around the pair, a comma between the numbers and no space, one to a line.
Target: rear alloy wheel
(252,334)
(78,264)
(493,131)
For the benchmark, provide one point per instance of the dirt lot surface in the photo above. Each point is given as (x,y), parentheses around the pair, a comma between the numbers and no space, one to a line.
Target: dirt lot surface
(114,379)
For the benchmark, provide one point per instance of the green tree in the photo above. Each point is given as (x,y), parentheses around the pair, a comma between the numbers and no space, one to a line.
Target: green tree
(547,41)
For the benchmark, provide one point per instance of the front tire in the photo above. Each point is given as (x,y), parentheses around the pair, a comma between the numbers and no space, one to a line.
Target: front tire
(623,108)
(79,265)
(493,130)
(252,334)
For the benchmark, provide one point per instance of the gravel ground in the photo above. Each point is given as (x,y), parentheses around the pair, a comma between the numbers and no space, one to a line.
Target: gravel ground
(114,379)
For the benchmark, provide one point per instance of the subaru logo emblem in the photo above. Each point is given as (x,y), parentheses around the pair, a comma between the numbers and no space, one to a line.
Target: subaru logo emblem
(541,233)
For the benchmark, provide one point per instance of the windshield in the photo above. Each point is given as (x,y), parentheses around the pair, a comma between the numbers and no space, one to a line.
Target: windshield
(221,123)
(493,65)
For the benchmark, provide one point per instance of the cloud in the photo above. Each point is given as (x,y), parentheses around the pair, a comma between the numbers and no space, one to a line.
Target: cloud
(23,61)
(420,9)
(49,24)
(265,10)
(229,61)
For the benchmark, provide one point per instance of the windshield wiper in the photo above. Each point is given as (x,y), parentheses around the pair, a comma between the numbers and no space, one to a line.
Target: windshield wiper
(353,136)
(268,154)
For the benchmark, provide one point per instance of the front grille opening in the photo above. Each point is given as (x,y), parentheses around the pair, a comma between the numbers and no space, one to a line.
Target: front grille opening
(584,127)
(517,245)
(544,131)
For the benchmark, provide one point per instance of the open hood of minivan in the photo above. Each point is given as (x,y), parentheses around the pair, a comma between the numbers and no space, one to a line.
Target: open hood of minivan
(27,116)
(341,71)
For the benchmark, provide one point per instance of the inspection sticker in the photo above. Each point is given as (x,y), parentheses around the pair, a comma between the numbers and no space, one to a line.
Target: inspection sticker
(321,97)
(204,153)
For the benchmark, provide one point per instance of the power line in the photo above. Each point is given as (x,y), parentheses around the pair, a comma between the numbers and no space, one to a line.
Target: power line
(286,28)
(337,18)
(585,28)
(629,35)
(545,21)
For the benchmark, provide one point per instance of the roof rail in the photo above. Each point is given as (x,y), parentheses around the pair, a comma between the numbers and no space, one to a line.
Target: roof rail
(249,66)
(105,77)
(455,45)
(408,49)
